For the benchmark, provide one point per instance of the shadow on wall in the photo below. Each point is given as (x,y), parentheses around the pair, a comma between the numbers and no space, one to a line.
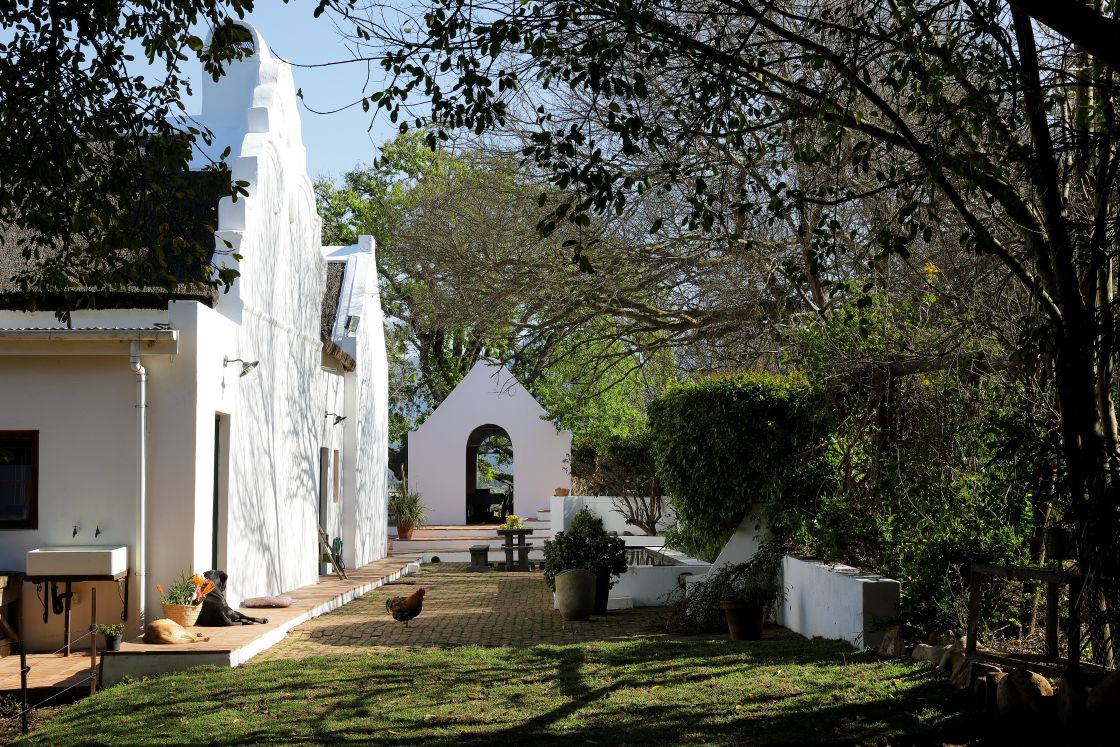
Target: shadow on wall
(277,427)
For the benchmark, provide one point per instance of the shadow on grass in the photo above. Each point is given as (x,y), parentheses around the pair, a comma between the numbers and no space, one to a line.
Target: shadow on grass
(645,692)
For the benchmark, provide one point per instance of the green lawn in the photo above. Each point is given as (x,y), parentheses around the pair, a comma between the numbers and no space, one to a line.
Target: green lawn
(641,692)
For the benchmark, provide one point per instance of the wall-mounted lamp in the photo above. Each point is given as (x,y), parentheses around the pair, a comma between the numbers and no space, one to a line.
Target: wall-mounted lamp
(337,418)
(246,366)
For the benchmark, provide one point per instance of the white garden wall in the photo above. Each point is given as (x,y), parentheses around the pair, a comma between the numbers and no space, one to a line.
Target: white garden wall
(837,602)
(822,600)
(563,509)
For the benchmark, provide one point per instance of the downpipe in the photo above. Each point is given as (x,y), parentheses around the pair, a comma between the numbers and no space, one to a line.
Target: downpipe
(141,479)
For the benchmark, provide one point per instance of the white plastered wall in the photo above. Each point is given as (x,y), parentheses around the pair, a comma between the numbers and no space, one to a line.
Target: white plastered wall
(366,429)
(488,395)
(277,423)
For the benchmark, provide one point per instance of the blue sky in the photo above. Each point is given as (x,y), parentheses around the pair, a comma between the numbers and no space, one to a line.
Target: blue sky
(335,142)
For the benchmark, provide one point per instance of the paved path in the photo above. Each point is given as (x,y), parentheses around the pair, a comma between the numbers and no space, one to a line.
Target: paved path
(461,608)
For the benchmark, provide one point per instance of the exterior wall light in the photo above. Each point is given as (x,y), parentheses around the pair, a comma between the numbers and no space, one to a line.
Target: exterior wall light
(337,418)
(246,366)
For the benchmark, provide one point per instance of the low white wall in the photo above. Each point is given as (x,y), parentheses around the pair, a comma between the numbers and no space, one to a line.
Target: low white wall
(836,601)
(564,508)
(744,543)
(651,585)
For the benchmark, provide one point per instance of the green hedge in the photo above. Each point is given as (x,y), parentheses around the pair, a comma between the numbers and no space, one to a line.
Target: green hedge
(723,445)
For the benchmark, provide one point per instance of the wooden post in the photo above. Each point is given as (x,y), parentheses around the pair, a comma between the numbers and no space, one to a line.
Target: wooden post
(1073,651)
(1052,652)
(23,670)
(92,641)
(973,611)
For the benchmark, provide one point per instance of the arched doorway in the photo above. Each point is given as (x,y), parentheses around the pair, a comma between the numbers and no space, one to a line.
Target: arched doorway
(489,495)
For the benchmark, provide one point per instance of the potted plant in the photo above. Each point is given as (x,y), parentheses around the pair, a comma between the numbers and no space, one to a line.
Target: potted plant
(575,594)
(112,633)
(752,590)
(513,521)
(182,601)
(586,544)
(408,512)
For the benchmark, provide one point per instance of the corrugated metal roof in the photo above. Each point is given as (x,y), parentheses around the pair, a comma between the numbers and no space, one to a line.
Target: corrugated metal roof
(88,333)
(81,329)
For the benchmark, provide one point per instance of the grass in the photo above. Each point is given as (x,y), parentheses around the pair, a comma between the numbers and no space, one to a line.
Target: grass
(638,692)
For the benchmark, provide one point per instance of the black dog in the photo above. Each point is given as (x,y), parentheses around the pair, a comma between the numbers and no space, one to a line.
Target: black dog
(216,613)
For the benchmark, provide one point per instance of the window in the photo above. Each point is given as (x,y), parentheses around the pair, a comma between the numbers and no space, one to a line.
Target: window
(19,479)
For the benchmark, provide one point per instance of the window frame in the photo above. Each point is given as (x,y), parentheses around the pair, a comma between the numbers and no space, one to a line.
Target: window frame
(32,520)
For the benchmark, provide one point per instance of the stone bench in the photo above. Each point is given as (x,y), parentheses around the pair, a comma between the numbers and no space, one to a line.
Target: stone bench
(480,558)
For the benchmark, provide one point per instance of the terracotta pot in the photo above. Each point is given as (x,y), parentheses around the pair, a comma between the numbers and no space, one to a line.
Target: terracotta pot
(744,620)
(404,531)
(562,491)
(575,594)
(184,614)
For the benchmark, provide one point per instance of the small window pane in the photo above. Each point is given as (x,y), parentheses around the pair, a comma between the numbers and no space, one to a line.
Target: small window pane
(19,452)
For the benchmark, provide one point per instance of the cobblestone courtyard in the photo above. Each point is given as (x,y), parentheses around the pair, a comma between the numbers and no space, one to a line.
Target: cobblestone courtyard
(461,608)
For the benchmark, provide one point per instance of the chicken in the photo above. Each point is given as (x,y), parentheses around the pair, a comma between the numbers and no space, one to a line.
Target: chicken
(404,609)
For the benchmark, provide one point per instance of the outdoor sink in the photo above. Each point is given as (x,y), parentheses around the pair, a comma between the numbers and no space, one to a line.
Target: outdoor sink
(77,560)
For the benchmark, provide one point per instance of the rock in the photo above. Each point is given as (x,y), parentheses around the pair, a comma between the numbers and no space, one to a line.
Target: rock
(966,672)
(1069,697)
(940,638)
(984,691)
(891,645)
(931,654)
(1104,699)
(1023,693)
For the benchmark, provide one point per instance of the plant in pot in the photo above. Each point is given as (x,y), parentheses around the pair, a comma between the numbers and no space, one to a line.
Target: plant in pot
(408,511)
(586,544)
(112,633)
(182,601)
(752,590)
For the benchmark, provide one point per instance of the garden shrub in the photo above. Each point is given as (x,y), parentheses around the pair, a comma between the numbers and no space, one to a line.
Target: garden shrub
(724,445)
(585,544)
(927,471)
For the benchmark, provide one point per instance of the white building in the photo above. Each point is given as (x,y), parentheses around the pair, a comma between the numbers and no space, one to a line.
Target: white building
(443,451)
(236,424)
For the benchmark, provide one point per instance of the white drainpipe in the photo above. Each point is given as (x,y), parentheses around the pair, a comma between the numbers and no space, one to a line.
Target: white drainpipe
(141,477)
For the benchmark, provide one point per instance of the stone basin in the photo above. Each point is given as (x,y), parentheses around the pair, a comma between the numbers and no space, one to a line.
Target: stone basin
(77,560)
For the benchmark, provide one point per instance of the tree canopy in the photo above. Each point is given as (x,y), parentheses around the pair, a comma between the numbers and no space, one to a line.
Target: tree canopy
(961,121)
(92,151)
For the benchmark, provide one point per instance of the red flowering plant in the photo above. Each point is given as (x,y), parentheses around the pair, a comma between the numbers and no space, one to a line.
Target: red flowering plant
(188,590)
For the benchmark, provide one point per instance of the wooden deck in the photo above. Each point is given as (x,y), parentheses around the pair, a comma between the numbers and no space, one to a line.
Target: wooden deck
(226,646)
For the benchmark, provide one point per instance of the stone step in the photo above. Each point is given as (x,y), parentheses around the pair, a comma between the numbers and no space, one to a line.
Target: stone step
(439,531)
(455,543)
(460,556)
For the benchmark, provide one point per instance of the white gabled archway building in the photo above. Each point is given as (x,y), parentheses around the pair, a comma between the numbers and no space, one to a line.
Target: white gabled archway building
(440,457)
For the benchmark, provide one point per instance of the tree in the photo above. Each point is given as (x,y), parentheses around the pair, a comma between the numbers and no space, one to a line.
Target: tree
(93,153)
(967,105)
(465,274)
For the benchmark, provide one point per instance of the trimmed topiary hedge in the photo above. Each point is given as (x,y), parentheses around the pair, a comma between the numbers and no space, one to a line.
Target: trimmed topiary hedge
(724,445)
